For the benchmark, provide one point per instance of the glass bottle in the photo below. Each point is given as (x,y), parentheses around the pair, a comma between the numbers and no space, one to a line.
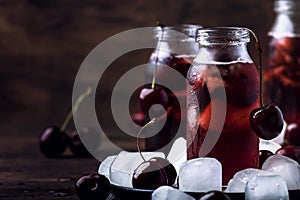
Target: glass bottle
(222,90)
(282,69)
(176,49)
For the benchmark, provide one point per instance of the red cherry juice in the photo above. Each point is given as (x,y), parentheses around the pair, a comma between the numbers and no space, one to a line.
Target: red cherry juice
(282,76)
(237,146)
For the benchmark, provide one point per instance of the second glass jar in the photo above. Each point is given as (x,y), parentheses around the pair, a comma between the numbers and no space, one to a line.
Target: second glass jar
(176,48)
(223,78)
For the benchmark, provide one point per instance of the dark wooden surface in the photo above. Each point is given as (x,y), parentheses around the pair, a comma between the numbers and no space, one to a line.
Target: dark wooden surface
(26,174)
(42,44)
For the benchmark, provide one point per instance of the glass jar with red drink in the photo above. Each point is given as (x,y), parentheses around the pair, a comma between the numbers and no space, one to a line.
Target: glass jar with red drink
(222,90)
(282,70)
(176,48)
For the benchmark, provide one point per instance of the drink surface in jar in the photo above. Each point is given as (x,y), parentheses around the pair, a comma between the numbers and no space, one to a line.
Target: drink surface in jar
(237,146)
(282,76)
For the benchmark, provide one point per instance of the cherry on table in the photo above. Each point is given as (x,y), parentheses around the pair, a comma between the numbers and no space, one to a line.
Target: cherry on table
(76,146)
(87,134)
(263,156)
(53,142)
(292,134)
(92,187)
(267,122)
(290,151)
(214,195)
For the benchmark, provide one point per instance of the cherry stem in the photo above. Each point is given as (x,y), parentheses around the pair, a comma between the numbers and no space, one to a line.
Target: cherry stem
(138,136)
(75,108)
(260,51)
(158,48)
(146,125)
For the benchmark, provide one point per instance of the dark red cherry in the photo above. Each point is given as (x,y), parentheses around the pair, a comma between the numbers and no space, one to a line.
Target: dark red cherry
(150,96)
(76,146)
(267,122)
(91,138)
(214,195)
(149,175)
(292,152)
(263,156)
(292,134)
(53,142)
(168,167)
(92,187)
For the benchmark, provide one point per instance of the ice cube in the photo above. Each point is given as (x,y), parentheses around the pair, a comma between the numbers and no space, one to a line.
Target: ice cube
(266,187)
(123,166)
(200,175)
(170,193)
(239,180)
(104,167)
(286,167)
(177,154)
(268,145)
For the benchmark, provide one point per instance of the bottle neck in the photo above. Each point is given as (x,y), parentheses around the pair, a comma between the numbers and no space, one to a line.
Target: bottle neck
(223,45)
(287,21)
(286,24)
(178,40)
(223,54)
(174,47)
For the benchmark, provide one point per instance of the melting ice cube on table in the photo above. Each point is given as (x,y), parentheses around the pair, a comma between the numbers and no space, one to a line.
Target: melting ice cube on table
(240,179)
(170,193)
(286,167)
(266,187)
(104,167)
(125,163)
(200,175)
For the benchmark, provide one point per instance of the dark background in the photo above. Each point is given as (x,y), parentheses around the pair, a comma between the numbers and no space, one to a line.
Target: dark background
(43,43)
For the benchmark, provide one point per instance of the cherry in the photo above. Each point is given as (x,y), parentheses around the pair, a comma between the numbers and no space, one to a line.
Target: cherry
(92,187)
(168,167)
(292,134)
(76,145)
(214,195)
(263,156)
(155,172)
(53,142)
(149,175)
(153,95)
(292,152)
(267,121)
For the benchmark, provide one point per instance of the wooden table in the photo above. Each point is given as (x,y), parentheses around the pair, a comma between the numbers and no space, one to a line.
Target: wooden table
(26,174)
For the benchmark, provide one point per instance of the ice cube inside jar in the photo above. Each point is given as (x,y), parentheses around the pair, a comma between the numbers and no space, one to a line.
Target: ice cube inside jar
(200,175)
